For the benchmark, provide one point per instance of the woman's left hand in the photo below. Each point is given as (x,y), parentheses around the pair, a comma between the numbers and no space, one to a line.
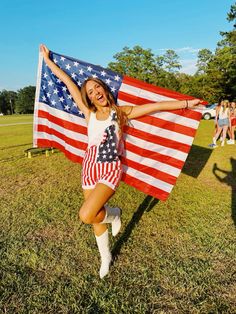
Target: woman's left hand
(194,102)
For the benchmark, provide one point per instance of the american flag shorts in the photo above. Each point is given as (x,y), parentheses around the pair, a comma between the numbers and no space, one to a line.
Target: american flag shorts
(94,172)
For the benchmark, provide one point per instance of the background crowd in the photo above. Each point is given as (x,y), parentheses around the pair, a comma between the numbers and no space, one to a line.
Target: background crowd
(225,122)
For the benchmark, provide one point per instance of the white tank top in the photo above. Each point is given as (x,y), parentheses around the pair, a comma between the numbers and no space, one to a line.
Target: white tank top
(96,128)
(223,114)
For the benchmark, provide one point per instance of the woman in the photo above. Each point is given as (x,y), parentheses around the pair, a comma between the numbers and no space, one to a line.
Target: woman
(223,116)
(101,169)
(232,123)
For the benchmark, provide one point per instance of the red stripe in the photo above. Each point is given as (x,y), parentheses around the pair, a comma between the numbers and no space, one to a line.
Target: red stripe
(63,123)
(157,174)
(49,143)
(157,139)
(91,171)
(68,140)
(155,89)
(145,187)
(171,126)
(140,151)
(135,100)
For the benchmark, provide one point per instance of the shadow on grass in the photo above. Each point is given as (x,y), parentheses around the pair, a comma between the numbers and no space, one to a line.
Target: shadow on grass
(196,161)
(14,146)
(148,203)
(229,179)
(12,158)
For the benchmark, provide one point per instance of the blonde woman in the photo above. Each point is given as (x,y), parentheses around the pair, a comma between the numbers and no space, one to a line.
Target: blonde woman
(101,168)
(223,118)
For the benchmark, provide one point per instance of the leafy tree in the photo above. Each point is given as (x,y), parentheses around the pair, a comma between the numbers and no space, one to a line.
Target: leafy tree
(137,62)
(7,101)
(171,61)
(224,60)
(144,65)
(25,100)
(204,57)
(216,75)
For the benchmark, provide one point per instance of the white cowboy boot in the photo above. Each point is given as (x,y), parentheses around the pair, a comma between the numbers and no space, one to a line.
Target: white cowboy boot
(104,250)
(113,217)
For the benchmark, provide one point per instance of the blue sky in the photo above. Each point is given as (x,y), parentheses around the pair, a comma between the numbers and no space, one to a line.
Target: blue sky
(95,30)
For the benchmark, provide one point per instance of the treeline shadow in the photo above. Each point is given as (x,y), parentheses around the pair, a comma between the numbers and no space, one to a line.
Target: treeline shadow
(196,160)
(148,203)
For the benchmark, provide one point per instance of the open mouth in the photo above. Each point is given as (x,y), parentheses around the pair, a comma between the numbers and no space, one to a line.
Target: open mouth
(100,98)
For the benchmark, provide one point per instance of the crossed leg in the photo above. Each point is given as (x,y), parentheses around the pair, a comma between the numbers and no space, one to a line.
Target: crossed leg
(92,210)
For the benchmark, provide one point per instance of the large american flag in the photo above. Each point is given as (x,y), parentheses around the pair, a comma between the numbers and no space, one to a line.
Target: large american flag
(156,145)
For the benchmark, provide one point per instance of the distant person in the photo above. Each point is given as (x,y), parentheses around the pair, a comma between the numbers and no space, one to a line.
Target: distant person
(223,118)
(216,126)
(217,109)
(232,123)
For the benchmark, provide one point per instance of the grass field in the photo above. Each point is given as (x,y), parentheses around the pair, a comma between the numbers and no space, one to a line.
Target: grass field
(176,256)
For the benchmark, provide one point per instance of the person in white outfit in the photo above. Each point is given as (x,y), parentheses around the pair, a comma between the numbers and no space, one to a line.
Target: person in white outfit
(101,168)
(223,117)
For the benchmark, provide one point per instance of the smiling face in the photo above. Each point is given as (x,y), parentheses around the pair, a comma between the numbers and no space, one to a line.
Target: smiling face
(96,94)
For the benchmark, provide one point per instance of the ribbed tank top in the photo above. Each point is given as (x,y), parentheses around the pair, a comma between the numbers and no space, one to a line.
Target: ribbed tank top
(96,128)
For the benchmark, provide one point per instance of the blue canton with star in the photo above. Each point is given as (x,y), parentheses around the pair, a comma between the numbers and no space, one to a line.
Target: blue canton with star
(54,92)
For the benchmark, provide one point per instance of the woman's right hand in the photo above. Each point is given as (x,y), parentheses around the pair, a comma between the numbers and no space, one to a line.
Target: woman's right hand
(44,51)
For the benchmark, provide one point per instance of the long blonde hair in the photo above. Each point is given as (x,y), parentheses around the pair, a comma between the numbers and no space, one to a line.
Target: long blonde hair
(121,116)
(225,105)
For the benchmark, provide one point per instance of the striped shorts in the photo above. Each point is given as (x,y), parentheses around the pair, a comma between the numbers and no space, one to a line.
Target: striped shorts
(93,172)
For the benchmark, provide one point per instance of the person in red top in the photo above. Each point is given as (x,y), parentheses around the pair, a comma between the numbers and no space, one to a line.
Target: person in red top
(233,123)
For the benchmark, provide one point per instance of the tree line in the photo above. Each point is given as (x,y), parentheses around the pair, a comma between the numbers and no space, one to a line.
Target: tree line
(214,79)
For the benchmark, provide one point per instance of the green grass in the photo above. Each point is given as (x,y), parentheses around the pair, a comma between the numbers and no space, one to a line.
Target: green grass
(24,118)
(176,256)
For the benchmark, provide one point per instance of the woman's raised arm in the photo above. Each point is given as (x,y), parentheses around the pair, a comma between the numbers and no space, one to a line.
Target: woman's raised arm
(138,111)
(72,87)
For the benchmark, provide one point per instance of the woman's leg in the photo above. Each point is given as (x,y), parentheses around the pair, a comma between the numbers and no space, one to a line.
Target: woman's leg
(92,210)
(98,228)
(215,138)
(232,133)
(225,128)
(102,239)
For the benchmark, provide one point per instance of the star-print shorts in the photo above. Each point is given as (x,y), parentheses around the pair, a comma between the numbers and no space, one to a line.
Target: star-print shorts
(94,172)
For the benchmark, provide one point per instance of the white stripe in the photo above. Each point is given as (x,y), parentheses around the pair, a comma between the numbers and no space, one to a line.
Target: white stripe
(148,179)
(144,161)
(151,129)
(70,134)
(168,116)
(140,92)
(69,148)
(175,118)
(143,93)
(62,115)
(163,150)
(37,92)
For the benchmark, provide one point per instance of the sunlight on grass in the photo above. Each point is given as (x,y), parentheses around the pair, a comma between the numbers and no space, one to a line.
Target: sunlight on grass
(170,257)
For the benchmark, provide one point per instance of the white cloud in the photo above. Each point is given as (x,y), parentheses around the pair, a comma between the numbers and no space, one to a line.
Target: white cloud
(188,58)
(188,66)
(191,50)
(188,50)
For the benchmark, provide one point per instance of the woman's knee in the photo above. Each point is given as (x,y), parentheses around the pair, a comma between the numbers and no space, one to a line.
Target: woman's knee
(85,217)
